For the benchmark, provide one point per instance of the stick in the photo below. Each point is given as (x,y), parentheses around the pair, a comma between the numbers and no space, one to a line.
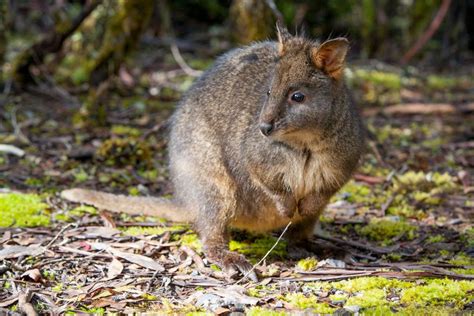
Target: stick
(182,63)
(24,303)
(266,255)
(439,17)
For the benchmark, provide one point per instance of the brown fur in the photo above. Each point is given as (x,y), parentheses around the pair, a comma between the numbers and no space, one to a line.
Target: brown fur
(227,174)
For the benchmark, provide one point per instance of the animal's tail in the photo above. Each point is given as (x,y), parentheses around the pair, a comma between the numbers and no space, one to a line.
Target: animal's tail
(133,205)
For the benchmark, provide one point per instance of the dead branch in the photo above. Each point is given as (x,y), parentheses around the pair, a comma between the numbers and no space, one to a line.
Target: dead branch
(51,43)
(422,108)
(439,17)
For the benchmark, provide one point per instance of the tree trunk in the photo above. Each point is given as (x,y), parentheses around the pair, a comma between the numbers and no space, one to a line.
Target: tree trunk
(122,34)
(3,35)
(51,43)
(251,20)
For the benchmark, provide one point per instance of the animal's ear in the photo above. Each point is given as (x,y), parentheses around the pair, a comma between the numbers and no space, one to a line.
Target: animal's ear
(330,56)
(283,36)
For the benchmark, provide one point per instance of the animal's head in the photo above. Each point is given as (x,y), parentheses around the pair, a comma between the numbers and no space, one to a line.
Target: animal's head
(304,93)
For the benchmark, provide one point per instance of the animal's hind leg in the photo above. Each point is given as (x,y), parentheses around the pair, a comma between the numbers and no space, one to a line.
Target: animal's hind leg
(216,206)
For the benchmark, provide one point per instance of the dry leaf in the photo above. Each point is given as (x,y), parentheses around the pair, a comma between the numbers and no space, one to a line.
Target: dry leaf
(33,274)
(9,301)
(19,251)
(114,269)
(134,258)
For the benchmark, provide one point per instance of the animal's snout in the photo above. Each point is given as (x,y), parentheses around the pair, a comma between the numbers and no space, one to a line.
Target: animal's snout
(266,128)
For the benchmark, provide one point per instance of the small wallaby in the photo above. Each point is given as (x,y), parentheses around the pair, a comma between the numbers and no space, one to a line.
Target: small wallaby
(264,137)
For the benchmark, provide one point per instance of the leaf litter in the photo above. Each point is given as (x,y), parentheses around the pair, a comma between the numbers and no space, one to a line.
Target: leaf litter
(397,238)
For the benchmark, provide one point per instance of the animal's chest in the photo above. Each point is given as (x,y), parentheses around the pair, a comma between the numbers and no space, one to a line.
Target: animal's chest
(304,175)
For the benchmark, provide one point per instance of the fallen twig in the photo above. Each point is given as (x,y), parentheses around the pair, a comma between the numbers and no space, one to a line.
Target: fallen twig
(422,108)
(375,249)
(10,149)
(266,255)
(182,63)
(24,303)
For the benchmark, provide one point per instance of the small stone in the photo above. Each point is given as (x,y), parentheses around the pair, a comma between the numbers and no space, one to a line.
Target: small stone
(209,301)
(331,263)
(352,308)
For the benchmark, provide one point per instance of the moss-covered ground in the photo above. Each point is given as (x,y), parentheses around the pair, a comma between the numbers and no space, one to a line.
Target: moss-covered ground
(405,220)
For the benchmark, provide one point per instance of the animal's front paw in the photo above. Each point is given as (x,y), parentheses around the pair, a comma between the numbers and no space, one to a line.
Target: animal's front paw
(297,252)
(232,263)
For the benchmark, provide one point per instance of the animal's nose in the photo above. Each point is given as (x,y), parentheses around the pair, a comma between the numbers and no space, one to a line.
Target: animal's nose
(266,128)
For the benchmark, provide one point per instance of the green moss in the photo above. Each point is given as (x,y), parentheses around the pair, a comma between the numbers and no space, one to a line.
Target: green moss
(33,182)
(393,257)
(356,192)
(259,247)
(140,230)
(94,310)
(299,300)
(435,239)
(436,82)
(83,209)
(134,191)
(80,175)
(369,298)
(464,271)
(335,298)
(58,288)
(307,264)
(384,230)
(192,241)
(439,292)
(462,259)
(125,151)
(388,80)
(149,174)
(23,210)
(260,311)
(432,183)
(215,267)
(369,283)
(122,130)
(468,236)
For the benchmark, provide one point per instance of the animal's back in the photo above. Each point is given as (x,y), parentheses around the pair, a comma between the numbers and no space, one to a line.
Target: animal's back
(212,118)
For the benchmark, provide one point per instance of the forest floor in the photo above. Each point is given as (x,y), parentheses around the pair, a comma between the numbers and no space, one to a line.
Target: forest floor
(399,238)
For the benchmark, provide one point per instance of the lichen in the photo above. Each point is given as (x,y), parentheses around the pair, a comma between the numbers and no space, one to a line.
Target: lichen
(122,130)
(469,271)
(384,230)
(260,311)
(368,298)
(257,248)
(299,300)
(125,151)
(140,230)
(435,239)
(69,216)
(462,259)
(307,264)
(369,283)
(23,210)
(439,292)
(192,241)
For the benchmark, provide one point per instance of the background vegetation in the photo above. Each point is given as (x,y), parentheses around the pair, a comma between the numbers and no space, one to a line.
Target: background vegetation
(86,89)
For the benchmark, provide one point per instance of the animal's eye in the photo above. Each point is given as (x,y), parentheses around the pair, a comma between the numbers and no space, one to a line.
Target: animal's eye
(268,92)
(297,97)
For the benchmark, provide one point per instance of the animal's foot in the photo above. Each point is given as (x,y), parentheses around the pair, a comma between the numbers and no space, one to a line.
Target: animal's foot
(297,252)
(232,263)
